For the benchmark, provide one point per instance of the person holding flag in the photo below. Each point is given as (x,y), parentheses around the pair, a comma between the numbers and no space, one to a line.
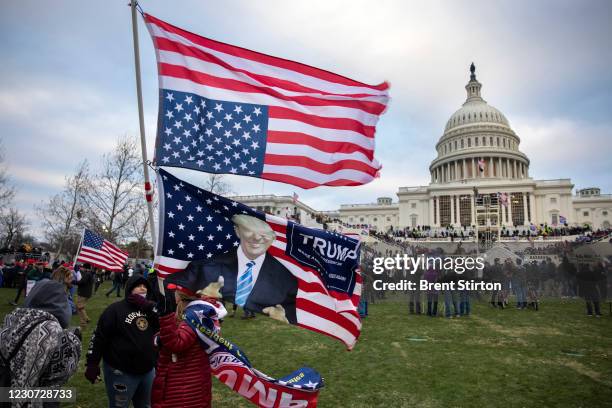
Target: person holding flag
(183,376)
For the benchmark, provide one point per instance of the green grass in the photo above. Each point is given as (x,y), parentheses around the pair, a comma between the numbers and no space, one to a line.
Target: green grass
(509,358)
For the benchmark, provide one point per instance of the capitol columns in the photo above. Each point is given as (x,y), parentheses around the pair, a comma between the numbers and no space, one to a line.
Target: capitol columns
(532,207)
(525,218)
(431,211)
(509,210)
(464,168)
(473,169)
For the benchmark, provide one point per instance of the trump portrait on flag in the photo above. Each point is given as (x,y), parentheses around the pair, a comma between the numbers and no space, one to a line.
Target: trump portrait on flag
(252,279)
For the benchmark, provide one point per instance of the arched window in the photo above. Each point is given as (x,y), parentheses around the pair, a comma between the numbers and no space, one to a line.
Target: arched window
(469,142)
(462,143)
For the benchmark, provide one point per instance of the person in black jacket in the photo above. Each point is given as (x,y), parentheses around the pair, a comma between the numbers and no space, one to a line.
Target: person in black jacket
(84,292)
(124,340)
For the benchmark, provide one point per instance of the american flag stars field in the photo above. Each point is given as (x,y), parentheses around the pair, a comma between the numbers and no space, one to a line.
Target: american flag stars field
(212,136)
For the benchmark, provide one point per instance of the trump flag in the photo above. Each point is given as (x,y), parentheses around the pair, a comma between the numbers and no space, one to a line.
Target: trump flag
(226,109)
(304,276)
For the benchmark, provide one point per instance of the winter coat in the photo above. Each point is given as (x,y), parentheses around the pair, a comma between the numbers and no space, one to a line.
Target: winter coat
(49,354)
(183,374)
(124,335)
(85,284)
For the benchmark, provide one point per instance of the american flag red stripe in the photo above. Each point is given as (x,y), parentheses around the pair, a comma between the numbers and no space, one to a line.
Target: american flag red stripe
(261,58)
(322,123)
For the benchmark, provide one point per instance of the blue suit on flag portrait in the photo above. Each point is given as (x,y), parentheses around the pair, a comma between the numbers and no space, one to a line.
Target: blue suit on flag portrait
(275,285)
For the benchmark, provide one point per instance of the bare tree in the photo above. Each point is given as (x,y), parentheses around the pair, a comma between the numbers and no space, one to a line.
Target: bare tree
(61,215)
(215,183)
(7,191)
(116,191)
(12,225)
(139,231)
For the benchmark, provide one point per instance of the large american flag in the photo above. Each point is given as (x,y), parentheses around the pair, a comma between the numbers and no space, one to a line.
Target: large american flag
(195,224)
(226,109)
(101,253)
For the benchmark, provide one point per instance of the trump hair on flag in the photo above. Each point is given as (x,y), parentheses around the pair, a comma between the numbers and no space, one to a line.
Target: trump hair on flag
(229,110)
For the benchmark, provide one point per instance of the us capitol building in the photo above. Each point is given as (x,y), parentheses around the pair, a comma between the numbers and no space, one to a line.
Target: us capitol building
(478,162)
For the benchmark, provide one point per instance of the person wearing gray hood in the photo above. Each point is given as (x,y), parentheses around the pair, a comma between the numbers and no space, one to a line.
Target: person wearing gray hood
(44,353)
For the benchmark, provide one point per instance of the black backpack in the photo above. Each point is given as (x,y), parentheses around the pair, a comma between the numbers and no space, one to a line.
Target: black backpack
(5,366)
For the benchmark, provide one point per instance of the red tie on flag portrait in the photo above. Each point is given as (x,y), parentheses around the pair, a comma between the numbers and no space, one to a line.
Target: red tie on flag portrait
(226,109)
(304,276)
(99,252)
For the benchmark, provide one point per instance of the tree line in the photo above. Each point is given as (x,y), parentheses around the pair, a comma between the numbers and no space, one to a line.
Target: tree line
(107,199)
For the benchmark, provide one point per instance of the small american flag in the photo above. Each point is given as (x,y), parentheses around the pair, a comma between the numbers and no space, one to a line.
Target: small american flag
(101,253)
(226,109)
(196,225)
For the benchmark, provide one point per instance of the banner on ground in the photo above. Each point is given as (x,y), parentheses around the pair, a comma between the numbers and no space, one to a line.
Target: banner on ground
(231,366)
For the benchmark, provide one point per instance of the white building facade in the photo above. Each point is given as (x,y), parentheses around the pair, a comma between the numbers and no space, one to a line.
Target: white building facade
(478,153)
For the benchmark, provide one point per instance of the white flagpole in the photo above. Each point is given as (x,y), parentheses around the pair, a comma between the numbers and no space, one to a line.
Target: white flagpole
(143,142)
(76,256)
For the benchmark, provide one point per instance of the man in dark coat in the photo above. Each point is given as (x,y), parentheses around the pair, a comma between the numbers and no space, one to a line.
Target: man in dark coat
(84,292)
(252,278)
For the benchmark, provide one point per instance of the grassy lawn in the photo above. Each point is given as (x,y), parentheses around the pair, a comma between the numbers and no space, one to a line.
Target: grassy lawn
(509,358)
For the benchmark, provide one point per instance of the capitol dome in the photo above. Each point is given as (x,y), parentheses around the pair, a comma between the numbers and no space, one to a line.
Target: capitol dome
(478,142)
(476,111)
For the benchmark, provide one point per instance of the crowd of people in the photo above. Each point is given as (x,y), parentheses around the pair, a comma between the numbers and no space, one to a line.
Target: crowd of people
(148,354)
(554,271)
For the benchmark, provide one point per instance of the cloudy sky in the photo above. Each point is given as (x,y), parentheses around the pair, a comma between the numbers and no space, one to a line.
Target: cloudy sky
(68,89)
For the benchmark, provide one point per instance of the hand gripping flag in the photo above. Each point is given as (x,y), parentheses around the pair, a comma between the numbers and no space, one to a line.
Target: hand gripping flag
(232,367)
(226,109)
(309,274)
(101,253)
